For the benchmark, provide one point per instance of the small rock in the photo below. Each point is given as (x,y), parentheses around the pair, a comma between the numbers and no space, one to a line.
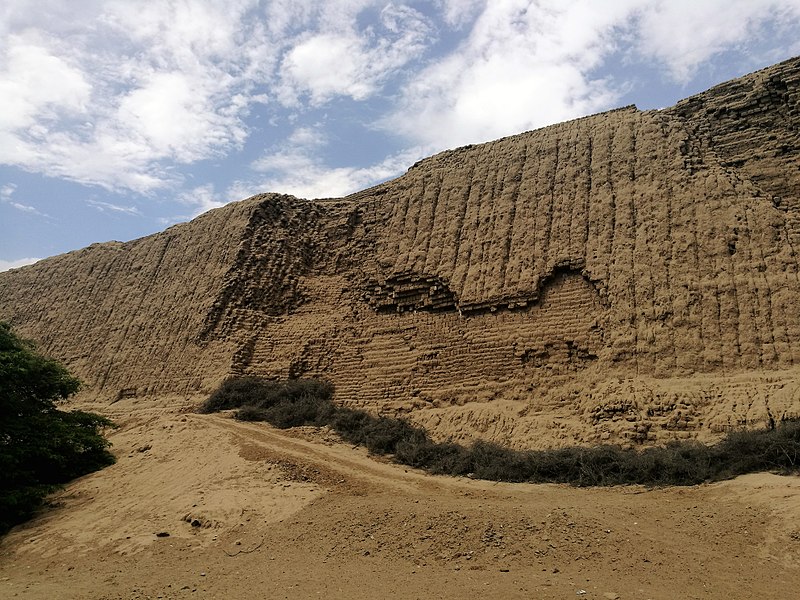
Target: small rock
(203,574)
(162,534)
(611,596)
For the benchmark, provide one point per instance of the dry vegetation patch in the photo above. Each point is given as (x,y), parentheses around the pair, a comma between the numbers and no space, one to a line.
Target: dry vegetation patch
(303,402)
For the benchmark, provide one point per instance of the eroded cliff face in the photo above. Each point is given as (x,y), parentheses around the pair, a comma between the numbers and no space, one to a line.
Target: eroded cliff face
(625,277)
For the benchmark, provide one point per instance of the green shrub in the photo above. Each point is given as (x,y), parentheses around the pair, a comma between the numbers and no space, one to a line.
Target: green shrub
(351,424)
(251,413)
(235,393)
(283,404)
(41,447)
(309,402)
(380,435)
(295,411)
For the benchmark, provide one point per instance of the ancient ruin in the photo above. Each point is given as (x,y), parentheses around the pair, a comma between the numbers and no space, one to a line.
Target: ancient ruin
(628,277)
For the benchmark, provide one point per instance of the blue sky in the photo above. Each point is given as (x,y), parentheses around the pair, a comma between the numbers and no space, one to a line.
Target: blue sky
(119,118)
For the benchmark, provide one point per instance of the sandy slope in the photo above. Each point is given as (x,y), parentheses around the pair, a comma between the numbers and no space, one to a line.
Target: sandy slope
(252,512)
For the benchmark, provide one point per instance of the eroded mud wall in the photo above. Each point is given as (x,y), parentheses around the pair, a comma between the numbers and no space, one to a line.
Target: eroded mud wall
(629,276)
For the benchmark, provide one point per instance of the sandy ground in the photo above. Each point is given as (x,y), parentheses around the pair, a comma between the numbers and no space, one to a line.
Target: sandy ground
(200,506)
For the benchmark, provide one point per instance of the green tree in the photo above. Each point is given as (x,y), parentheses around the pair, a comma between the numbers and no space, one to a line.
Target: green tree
(41,447)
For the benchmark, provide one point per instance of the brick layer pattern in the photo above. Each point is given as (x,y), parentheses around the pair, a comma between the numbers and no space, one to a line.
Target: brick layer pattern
(627,277)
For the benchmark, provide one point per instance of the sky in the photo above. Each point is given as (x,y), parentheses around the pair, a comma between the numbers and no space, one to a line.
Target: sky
(119,118)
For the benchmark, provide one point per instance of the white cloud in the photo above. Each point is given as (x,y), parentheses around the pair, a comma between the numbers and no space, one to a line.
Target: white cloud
(131,90)
(5,265)
(25,208)
(522,66)
(295,153)
(6,197)
(114,208)
(201,199)
(198,200)
(125,94)
(528,64)
(458,13)
(297,168)
(326,65)
(351,62)
(683,34)
(308,136)
(37,84)
(7,191)
(119,93)
(287,18)
(174,118)
(310,178)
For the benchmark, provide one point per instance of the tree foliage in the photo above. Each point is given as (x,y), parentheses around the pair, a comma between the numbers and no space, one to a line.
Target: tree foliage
(41,447)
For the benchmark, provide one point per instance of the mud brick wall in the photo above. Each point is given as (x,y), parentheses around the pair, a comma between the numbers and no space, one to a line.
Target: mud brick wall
(629,277)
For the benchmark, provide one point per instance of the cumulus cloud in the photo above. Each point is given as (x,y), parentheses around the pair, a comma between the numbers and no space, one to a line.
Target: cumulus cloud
(38,85)
(683,34)
(298,168)
(201,199)
(5,265)
(287,19)
(522,65)
(138,87)
(458,13)
(528,64)
(307,177)
(197,200)
(7,191)
(128,95)
(119,93)
(351,62)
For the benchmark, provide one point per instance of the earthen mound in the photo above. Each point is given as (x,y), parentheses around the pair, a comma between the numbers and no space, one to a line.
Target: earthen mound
(628,277)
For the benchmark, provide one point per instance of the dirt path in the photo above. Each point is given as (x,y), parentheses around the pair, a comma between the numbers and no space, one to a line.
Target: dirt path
(253,512)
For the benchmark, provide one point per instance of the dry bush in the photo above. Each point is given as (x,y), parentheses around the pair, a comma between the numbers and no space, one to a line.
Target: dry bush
(309,402)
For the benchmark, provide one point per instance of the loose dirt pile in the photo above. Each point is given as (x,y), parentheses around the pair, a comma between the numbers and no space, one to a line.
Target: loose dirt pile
(204,506)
